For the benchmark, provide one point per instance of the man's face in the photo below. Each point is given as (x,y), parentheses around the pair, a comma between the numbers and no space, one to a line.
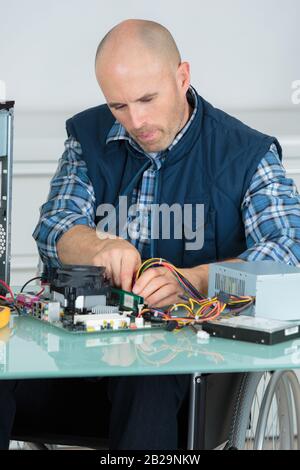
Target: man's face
(148,99)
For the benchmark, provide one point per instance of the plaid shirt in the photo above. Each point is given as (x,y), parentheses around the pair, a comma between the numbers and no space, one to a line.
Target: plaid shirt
(270,208)
(143,196)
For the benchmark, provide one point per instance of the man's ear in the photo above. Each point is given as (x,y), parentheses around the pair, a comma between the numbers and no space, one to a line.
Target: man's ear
(183,76)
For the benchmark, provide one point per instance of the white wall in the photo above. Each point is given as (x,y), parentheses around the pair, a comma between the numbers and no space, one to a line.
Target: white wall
(244,57)
(244,53)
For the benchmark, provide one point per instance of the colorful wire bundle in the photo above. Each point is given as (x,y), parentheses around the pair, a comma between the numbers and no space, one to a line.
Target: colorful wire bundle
(183,281)
(198,307)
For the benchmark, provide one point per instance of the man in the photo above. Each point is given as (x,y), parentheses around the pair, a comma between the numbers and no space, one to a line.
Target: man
(158,142)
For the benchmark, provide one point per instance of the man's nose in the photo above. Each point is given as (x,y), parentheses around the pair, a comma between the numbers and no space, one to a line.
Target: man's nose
(137,118)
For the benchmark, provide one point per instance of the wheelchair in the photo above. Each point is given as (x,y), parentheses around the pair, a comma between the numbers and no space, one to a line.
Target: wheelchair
(267,412)
(255,410)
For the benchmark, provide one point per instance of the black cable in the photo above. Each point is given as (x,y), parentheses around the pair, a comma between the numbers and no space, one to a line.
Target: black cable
(14,306)
(30,280)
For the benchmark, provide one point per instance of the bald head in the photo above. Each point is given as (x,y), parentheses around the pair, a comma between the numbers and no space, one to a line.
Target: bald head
(139,70)
(131,37)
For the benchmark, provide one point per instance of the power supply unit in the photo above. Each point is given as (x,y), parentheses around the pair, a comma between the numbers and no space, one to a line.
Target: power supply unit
(275,286)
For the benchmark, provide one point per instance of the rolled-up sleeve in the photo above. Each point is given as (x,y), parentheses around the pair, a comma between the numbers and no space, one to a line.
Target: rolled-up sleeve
(71,201)
(271,214)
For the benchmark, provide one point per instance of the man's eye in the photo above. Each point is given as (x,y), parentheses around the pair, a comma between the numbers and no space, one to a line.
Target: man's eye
(144,100)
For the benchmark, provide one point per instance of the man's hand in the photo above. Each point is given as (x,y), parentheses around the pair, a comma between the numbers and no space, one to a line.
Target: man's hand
(83,245)
(121,260)
(160,288)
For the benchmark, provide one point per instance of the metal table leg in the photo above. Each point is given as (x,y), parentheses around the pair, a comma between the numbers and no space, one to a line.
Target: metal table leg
(197,412)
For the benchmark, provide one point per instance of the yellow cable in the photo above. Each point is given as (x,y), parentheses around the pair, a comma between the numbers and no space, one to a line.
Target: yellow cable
(181,305)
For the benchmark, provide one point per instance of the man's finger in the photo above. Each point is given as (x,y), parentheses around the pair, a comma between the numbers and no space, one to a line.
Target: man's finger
(145,278)
(129,266)
(154,285)
(162,296)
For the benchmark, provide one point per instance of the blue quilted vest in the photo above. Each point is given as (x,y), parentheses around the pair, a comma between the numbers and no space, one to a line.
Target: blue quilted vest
(212,165)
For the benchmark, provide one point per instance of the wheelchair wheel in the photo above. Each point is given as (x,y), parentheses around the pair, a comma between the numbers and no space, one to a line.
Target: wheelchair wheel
(267,412)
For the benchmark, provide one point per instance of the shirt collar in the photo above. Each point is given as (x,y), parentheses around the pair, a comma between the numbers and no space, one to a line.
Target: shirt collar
(118,132)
